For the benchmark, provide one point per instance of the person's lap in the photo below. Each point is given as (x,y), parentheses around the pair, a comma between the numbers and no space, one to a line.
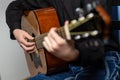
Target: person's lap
(60,76)
(108,70)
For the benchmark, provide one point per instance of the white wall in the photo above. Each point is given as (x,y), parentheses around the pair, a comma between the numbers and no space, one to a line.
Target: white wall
(12,60)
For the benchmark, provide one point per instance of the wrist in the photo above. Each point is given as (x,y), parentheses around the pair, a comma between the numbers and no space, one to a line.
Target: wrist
(15,31)
(74,54)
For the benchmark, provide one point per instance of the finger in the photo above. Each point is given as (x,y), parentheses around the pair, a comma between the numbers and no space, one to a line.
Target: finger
(26,43)
(47,41)
(54,45)
(53,34)
(31,51)
(46,46)
(25,40)
(26,48)
(29,37)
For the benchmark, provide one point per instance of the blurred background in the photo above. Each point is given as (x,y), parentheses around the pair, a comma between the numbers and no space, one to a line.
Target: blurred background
(116,21)
(12,59)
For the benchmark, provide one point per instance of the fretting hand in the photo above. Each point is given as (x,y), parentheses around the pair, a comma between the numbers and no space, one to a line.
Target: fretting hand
(60,47)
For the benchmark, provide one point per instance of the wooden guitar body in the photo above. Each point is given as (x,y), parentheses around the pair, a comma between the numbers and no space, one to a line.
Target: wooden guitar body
(37,22)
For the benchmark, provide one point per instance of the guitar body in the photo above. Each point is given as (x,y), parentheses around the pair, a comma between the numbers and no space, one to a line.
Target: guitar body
(37,22)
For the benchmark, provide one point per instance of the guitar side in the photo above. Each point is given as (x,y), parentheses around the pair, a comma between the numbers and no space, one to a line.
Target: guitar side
(37,22)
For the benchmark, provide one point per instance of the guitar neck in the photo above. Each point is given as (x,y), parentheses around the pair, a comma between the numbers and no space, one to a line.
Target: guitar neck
(39,39)
(64,32)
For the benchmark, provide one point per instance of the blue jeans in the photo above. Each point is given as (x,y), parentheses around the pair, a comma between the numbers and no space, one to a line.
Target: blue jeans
(108,70)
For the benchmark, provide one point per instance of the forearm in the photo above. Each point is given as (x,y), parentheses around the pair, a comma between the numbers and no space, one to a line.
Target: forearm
(70,55)
(91,52)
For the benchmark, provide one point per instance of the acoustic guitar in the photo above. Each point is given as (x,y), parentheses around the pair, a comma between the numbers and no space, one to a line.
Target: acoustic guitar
(38,22)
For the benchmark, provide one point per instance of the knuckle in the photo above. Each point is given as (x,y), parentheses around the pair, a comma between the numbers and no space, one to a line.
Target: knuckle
(20,40)
(55,47)
(45,38)
(51,51)
(62,42)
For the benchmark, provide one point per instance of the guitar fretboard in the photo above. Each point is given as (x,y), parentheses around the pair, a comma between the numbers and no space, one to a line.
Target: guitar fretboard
(39,39)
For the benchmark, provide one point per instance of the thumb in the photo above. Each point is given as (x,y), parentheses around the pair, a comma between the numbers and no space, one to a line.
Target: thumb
(66,23)
(28,36)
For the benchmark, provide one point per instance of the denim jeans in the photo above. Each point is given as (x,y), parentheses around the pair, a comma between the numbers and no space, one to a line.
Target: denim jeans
(109,69)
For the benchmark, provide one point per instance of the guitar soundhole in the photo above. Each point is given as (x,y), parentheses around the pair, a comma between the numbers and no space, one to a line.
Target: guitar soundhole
(33,35)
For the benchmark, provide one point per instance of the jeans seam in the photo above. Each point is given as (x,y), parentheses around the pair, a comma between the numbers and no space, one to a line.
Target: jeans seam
(107,71)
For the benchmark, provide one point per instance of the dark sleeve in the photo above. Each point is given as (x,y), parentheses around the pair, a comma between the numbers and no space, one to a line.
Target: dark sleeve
(15,10)
(105,3)
(90,53)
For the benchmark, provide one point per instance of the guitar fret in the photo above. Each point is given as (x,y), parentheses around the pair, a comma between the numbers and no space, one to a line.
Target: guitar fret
(39,40)
(61,32)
